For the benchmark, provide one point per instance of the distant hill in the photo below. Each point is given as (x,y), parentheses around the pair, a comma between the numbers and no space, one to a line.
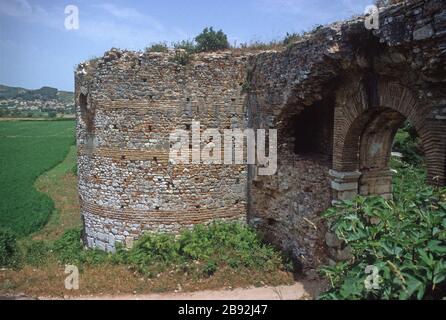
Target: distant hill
(46,101)
(44,93)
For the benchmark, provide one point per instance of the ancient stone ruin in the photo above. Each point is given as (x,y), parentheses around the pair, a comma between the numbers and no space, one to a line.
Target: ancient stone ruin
(336,97)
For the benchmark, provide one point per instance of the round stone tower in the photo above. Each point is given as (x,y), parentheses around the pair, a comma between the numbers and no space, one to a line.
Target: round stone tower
(128,104)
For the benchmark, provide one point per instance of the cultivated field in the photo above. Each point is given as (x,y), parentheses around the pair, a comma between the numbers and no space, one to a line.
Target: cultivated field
(27,150)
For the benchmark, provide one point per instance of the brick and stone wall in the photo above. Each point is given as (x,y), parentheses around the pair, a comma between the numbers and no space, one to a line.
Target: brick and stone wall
(336,97)
(128,104)
(373,81)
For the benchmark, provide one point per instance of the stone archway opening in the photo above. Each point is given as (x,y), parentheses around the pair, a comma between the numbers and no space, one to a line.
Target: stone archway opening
(366,158)
(367,166)
(365,123)
(375,147)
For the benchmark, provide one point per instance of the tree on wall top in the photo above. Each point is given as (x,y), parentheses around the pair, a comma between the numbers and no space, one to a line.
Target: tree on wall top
(210,40)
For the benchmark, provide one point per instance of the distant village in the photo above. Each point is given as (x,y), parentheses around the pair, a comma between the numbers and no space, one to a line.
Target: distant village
(42,103)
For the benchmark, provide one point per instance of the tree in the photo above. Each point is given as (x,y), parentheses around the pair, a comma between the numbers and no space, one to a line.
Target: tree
(210,40)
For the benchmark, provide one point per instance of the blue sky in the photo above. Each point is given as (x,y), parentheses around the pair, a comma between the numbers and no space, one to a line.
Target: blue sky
(36,50)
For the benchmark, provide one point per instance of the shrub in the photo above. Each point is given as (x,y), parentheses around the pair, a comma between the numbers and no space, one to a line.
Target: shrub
(408,144)
(70,250)
(186,45)
(9,251)
(210,267)
(214,246)
(210,40)
(291,38)
(37,253)
(152,249)
(202,250)
(260,45)
(404,239)
(158,47)
(182,57)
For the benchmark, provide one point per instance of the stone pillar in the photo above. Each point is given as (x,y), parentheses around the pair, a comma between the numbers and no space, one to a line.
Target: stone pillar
(344,184)
(376,182)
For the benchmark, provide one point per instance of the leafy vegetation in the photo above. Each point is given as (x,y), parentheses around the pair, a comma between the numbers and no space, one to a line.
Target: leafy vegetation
(290,38)
(202,250)
(210,40)
(182,57)
(405,239)
(27,149)
(408,144)
(36,253)
(9,251)
(186,45)
(219,244)
(70,250)
(158,47)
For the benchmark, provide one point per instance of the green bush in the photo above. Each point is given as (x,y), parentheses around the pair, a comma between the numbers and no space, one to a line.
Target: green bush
(408,144)
(158,47)
(188,46)
(210,40)
(202,250)
(291,38)
(149,250)
(214,246)
(405,239)
(70,250)
(182,57)
(9,250)
(37,253)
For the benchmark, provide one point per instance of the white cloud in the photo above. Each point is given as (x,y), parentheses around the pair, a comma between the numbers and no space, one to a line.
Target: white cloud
(24,11)
(123,27)
(130,14)
(15,8)
(326,10)
(104,23)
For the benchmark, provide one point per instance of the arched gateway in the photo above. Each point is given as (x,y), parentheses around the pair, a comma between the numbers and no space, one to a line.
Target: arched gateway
(365,124)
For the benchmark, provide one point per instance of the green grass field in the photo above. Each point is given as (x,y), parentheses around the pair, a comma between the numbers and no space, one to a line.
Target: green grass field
(27,150)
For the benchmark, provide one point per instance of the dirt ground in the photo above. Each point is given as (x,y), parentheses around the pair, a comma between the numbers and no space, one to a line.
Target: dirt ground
(302,290)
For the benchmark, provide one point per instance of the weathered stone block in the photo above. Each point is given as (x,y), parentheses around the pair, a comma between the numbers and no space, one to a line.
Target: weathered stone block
(423,33)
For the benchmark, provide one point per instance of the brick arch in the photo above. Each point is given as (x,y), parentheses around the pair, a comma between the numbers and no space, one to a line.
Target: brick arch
(365,118)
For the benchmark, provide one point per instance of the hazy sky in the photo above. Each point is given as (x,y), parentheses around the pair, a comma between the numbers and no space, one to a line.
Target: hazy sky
(36,50)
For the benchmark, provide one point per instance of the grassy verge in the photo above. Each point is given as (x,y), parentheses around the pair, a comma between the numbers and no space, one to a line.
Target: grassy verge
(61,185)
